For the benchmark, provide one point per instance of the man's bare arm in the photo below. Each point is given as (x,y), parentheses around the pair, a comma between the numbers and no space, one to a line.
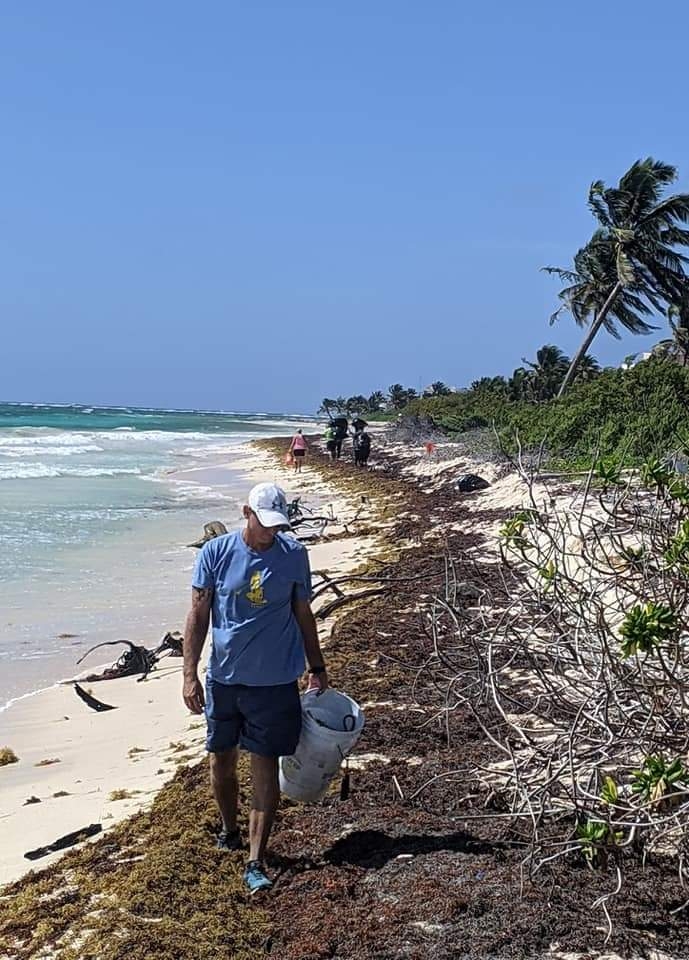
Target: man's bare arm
(195,632)
(309,631)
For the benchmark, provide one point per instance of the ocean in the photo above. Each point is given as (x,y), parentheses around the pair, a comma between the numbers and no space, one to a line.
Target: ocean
(97,506)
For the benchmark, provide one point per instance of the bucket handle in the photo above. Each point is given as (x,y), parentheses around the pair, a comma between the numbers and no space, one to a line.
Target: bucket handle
(345,721)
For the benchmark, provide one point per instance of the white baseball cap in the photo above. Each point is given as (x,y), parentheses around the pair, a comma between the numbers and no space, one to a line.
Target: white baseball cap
(269,504)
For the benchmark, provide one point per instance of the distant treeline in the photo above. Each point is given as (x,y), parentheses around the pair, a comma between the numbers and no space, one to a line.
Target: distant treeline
(396,398)
(537,380)
(628,414)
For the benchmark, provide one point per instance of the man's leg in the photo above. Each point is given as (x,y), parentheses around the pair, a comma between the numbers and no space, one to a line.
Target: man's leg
(266,795)
(225,786)
(223,722)
(272,723)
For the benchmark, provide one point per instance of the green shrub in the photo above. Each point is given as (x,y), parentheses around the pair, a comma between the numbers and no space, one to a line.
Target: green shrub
(627,415)
(657,777)
(646,627)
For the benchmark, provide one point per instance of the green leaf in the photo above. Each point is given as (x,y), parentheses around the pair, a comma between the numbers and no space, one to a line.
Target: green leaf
(646,627)
(609,793)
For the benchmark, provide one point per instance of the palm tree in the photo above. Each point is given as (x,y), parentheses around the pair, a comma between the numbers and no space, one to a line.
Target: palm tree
(376,401)
(548,371)
(631,266)
(681,336)
(588,369)
(520,384)
(325,406)
(398,396)
(490,385)
(437,389)
(678,347)
(357,404)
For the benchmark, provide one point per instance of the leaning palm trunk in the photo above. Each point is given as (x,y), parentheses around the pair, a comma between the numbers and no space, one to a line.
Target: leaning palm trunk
(597,323)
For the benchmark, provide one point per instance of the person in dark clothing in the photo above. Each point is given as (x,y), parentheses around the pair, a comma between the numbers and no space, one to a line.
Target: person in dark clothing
(362,448)
(340,432)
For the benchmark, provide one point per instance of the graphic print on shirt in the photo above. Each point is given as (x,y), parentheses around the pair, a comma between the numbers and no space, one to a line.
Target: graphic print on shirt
(255,594)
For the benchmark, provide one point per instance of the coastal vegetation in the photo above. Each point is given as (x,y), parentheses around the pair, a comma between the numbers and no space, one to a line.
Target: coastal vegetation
(628,415)
(630,272)
(581,682)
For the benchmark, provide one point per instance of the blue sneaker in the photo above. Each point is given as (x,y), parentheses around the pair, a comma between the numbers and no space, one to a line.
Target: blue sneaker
(255,878)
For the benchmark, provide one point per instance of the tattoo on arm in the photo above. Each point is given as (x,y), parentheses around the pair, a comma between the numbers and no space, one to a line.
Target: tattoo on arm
(201,594)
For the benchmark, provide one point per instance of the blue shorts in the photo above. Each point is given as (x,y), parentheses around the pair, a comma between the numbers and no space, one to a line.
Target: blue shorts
(262,720)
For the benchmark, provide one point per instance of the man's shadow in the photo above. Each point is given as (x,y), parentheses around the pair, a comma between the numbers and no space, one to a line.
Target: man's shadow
(372,849)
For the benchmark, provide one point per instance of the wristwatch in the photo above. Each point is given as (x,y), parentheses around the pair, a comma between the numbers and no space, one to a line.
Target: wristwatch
(317,670)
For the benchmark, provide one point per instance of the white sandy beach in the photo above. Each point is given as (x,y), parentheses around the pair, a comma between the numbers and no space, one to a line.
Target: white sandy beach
(131,751)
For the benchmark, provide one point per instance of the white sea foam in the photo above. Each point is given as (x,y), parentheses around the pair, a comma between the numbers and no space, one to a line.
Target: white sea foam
(41,471)
(43,436)
(25,696)
(36,450)
(185,490)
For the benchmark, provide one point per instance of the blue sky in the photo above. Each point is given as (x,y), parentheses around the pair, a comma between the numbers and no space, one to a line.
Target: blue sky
(254,205)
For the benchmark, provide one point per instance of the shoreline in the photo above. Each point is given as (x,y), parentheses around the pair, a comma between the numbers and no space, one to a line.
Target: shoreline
(96,523)
(78,767)
(223,477)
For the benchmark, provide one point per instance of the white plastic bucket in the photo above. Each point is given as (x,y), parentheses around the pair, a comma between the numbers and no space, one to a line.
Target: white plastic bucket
(331,724)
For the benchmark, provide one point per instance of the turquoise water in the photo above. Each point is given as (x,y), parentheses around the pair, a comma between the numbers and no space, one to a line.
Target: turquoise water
(96,507)
(83,417)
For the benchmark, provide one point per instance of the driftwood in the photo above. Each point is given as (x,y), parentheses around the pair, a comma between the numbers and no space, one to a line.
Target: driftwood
(341,601)
(330,583)
(316,518)
(136,659)
(91,701)
(216,528)
(68,840)
(327,583)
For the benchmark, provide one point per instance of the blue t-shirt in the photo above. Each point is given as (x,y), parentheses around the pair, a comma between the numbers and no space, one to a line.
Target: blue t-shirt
(256,638)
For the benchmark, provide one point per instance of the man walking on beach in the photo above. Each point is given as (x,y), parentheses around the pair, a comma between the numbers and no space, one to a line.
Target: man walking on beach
(256,583)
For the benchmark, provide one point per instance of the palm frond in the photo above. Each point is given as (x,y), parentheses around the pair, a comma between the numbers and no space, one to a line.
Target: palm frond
(625,269)
(567,275)
(597,205)
(668,211)
(675,236)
